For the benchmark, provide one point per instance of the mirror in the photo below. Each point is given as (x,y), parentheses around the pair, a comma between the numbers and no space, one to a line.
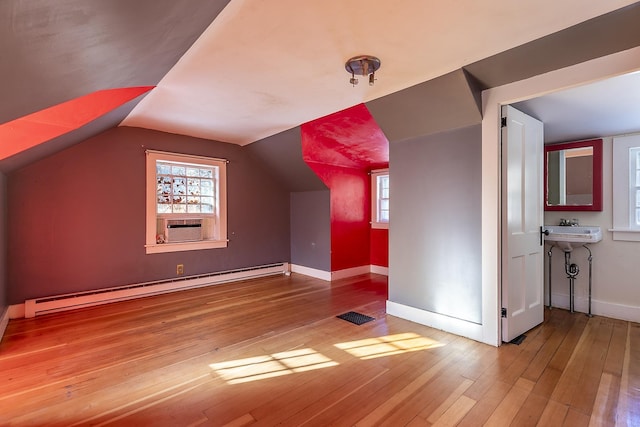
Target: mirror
(573,176)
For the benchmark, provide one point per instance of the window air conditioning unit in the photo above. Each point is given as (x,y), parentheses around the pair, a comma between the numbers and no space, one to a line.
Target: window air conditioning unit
(183,230)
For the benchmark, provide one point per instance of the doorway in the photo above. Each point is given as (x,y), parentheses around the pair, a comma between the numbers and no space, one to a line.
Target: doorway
(594,70)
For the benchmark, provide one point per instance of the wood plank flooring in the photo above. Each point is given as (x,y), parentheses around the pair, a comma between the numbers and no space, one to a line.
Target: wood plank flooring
(270,352)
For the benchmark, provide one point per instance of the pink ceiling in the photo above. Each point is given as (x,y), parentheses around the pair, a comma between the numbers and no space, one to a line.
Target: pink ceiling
(28,131)
(349,138)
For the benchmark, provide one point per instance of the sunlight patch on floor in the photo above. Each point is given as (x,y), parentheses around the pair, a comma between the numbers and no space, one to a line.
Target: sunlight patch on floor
(389,345)
(271,365)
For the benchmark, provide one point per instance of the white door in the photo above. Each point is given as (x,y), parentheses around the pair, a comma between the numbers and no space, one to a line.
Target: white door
(522,215)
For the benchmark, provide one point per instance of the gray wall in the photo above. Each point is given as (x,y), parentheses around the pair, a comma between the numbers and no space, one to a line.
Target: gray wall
(435,232)
(282,154)
(77,218)
(311,229)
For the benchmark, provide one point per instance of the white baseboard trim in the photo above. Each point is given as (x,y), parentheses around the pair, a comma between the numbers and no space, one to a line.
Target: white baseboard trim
(599,308)
(435,320)
(4,321)
(339,274)
(378,269)
(311,272)
(350,272)
(16,311)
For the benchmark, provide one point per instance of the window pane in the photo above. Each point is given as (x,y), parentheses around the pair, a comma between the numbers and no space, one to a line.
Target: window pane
(384,216)
(637,217)
(178,170)
(164,208)
(638,198)
(179,186)
(163,169)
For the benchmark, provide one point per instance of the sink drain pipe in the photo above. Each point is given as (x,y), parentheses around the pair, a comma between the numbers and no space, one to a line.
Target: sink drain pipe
(572,271)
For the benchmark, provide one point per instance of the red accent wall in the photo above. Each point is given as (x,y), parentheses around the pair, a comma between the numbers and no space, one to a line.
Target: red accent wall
(341,149)
(379,247)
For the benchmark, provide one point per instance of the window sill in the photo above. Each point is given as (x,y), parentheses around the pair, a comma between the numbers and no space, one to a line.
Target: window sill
(626,234)
(186,246)
(380,225)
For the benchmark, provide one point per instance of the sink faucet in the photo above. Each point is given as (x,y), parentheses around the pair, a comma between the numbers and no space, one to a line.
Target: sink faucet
(571,222)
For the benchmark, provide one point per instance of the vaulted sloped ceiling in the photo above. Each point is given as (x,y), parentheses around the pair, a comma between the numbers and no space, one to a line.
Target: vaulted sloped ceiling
(241,71)
(264,67)
(54,51)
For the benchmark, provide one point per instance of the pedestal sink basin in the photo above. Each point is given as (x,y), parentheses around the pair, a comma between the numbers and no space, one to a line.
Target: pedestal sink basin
(566,237)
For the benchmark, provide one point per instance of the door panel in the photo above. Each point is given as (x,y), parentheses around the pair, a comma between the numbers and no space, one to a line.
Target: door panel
(522,253)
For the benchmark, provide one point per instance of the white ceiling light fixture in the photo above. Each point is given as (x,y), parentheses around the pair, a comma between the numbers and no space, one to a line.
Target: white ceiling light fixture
(363,65)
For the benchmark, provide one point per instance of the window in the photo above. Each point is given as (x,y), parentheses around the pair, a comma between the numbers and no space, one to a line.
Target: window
(186,202)
(626,188)
(380,198)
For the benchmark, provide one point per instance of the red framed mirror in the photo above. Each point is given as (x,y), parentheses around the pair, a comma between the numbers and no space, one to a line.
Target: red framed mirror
(573,176)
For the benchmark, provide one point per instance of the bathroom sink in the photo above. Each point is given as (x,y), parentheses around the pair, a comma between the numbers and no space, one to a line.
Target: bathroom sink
(568,236)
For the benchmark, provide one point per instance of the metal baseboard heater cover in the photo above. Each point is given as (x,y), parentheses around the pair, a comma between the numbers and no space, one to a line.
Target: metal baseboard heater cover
(53,304)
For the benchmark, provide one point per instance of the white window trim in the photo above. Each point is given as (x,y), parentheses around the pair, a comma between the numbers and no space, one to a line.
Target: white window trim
(374,199)
(151,246)
(622,223)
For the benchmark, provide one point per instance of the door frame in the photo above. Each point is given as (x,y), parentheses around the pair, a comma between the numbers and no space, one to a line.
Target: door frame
(492,102)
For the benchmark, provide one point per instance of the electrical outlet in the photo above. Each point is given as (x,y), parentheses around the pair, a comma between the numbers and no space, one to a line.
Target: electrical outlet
(180,269)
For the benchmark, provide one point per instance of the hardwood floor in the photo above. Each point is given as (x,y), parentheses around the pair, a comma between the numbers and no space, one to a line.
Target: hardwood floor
(271,352)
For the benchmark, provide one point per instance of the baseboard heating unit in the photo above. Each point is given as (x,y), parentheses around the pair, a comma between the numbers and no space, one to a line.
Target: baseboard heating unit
(53,304)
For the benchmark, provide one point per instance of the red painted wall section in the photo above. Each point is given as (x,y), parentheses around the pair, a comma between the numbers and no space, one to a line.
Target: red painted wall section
(28,131)
(380,247)
(341,149)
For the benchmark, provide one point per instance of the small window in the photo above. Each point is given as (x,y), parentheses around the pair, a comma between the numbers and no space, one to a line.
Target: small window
(380,198)
(634,188)
(626,188)
(186,202)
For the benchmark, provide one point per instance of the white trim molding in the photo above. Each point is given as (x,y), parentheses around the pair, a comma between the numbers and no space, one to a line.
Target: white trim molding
(598,308)
(4,321)
(378,269)
(16,311)
(452,325)
(311,272)
(350,272)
